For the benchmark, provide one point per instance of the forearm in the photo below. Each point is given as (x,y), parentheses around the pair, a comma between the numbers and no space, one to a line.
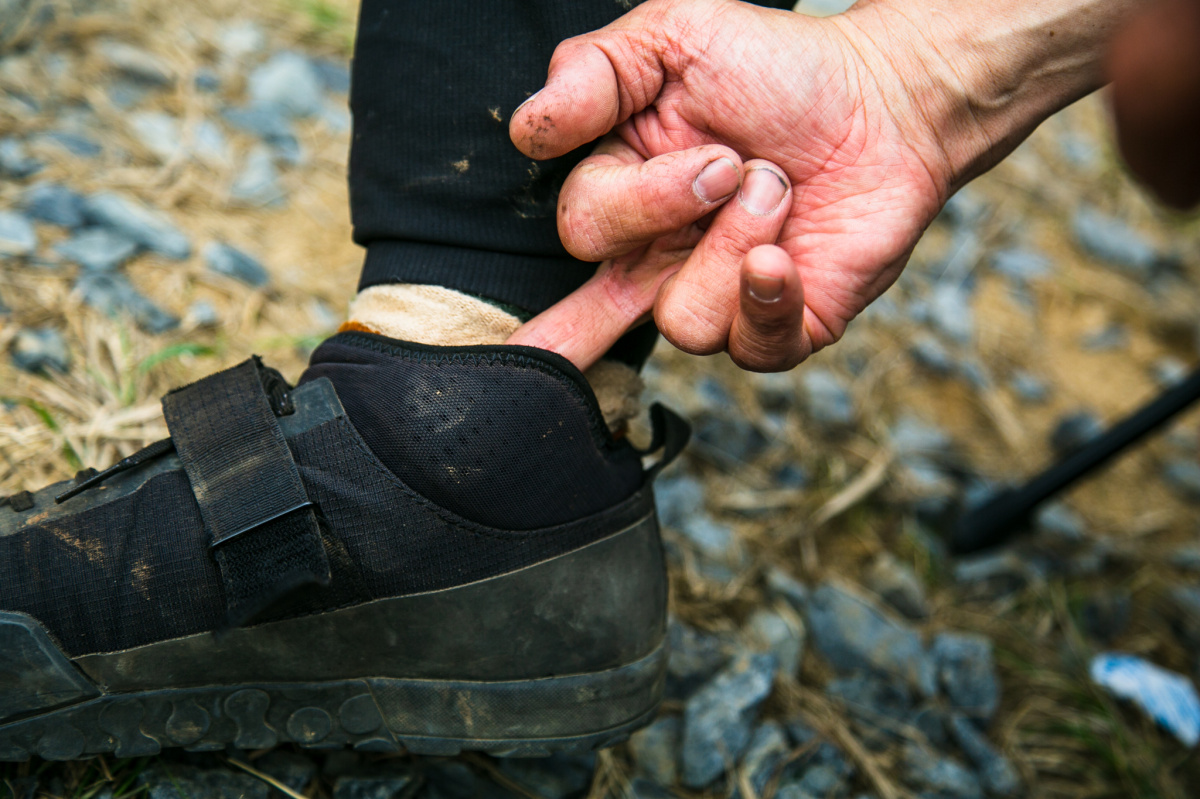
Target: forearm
(986,74)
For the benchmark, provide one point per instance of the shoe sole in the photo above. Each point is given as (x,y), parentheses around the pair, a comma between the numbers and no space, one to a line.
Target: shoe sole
(527,718)
(607,599)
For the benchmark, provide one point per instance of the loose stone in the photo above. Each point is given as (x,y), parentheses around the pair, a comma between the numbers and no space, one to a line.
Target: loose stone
(719,718)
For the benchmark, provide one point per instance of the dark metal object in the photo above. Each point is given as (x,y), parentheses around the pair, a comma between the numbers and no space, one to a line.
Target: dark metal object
(1002,516)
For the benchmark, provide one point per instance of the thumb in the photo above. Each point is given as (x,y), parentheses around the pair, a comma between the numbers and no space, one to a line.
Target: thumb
(596,81)
(768,333)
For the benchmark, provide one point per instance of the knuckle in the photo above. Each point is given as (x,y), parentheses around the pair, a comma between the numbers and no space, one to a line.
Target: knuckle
(688,331)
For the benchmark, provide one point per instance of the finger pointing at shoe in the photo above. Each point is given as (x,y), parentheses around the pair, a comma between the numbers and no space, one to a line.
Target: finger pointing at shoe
(689,281)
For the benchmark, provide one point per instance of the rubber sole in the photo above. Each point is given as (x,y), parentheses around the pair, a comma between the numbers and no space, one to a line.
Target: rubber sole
(527,718)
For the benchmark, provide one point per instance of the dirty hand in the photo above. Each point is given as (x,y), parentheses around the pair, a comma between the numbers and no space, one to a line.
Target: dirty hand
(840,138)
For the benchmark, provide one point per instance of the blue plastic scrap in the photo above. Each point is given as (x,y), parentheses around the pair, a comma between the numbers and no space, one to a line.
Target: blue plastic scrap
(1169,698)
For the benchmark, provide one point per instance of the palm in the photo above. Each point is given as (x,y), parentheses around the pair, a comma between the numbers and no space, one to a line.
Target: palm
(862,193)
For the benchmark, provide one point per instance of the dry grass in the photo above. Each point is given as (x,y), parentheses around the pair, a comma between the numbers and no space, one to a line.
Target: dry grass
(1066,737)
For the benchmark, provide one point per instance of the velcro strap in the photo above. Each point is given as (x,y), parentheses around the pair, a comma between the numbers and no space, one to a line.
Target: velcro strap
(255,509)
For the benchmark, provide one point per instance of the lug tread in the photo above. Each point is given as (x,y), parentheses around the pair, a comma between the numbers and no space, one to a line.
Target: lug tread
(320,716)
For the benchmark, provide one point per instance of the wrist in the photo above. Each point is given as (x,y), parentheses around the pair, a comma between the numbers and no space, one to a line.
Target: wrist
(979,78)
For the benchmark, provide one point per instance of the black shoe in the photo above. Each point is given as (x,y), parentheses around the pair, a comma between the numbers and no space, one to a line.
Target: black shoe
(420,548)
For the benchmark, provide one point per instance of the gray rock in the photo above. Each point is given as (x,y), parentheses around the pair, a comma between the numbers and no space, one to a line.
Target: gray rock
(1029,387)
(1186,558)
(964,209)
(973,371)
(158,132)
(74,143)
(931,723)
(782,585)
(718,719)
(1073,431)
(942,776)
(792,790)
(931,354)
(732,441)
(1108,338)
(640,788)
(203,313)
(950,312)
(765,755)
(208,144)
(125,94)
(1104,615)
(655,749)
(336,116)
(714,396)
(15,162)
(1112,240)
(822,781)
(289,82)
(258,182)
(967,673)
(178,781)
(997,774)
(232,262)
(768,631)
(1183,477)
(97,249)
(149,227)
(17,236)
(898,585)
(380,785)
(826,399)
(1021,265)
(206,80)
(58,205)
(994,573)
(1059,523)
(268,123)
(554,777)
(334,75)
(712,539)
(776,390)
(136,63)
(241,39)
(113,295)
(293,769)
(913,438)
(40,350)
(1183,608)
(854,633)
(694,658)
(1079,150)
(791,475)
(676,497)
(878,702)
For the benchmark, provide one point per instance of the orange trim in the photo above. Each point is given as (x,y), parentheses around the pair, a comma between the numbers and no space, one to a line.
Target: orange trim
(352,326)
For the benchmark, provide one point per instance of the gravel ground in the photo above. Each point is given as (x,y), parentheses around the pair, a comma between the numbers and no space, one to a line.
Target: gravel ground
(172,202)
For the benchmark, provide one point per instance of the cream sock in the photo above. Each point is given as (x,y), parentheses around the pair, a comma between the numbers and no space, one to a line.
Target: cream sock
(443,317)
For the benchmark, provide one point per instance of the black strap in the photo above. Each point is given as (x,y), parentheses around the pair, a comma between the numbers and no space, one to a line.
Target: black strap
(258,516)
(671,434)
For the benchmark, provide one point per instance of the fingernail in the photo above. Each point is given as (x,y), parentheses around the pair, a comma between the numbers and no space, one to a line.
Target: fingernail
(527,99)
(762,191)
(716,181)
(764,288)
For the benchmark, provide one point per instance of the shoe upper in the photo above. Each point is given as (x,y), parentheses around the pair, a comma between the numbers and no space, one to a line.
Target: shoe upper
(427,468)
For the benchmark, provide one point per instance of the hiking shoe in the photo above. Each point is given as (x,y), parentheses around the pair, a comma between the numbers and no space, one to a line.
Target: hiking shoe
(418,548)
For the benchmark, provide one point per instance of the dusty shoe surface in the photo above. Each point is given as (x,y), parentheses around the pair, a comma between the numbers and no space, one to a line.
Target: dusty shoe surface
(418,547)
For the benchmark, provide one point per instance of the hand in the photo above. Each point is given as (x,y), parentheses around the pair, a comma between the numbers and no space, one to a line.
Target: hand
(754,96)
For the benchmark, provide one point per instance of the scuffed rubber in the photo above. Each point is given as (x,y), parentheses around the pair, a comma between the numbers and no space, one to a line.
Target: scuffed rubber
(525,718)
